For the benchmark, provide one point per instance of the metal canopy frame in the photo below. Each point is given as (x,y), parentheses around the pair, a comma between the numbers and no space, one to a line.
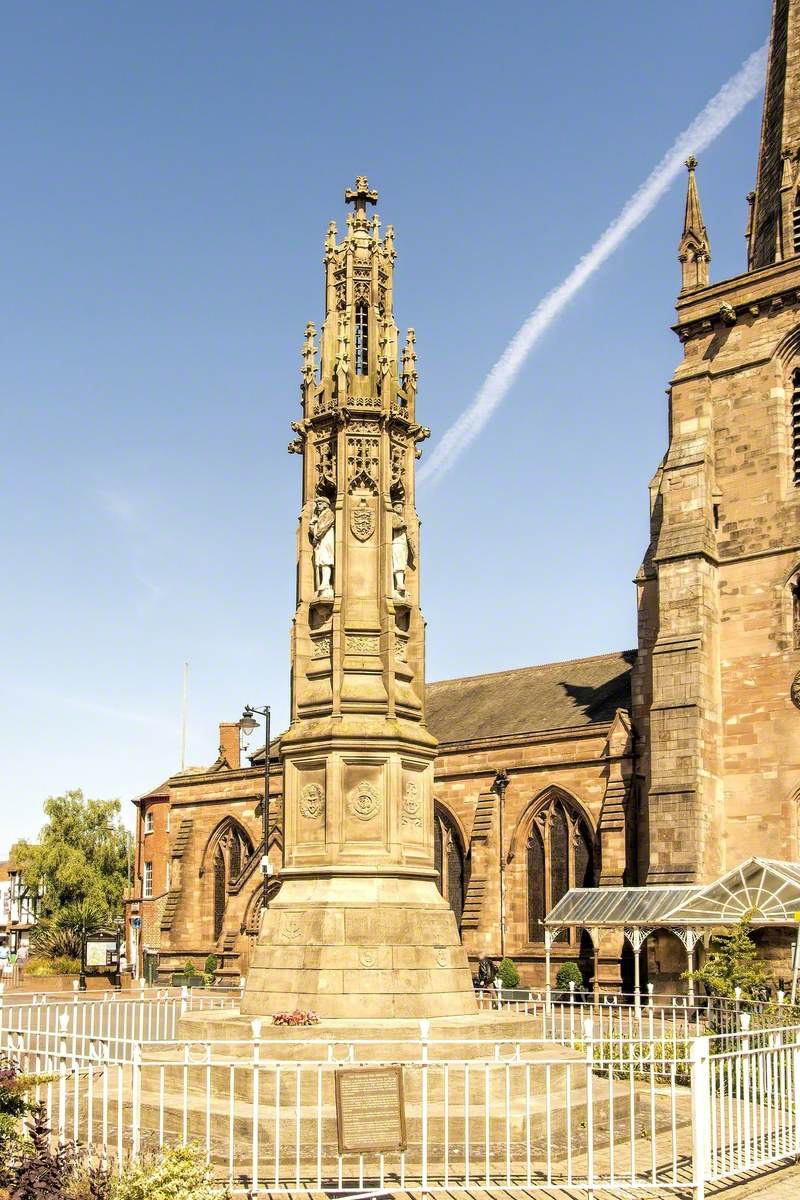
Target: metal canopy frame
(767,889)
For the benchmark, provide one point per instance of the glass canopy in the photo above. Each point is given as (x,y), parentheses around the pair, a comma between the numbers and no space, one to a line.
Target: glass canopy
(768,889)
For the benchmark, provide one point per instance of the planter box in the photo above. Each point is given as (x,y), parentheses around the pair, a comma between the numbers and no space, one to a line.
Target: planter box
(63,983)
(189,981)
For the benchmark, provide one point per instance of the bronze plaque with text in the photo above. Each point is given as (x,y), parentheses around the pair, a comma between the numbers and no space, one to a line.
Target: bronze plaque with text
(370,1110)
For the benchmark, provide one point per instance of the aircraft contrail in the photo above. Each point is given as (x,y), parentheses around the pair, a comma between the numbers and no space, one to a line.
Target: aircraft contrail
(717,114)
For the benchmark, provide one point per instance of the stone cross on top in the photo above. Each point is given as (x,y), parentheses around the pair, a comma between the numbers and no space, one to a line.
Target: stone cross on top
(361,195)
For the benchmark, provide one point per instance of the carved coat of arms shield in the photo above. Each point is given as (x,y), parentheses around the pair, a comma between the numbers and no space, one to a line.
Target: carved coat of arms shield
(362,522)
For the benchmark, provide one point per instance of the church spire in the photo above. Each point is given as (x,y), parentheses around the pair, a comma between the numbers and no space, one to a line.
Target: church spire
(772,236)
(694,250)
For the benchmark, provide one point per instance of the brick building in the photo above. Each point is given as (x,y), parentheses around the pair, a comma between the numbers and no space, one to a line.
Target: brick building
(670,763)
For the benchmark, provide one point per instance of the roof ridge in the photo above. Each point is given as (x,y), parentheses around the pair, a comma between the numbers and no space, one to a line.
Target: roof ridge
(566,662)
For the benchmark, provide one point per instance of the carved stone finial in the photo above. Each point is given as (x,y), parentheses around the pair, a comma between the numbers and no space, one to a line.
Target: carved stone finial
(309,353)
(388,241)
(410,360)
(694,251)
(330,239)
(361,195)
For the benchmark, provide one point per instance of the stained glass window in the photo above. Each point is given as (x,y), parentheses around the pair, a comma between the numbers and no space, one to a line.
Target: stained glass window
(219,891)
(536,907)
(560,857)
(450,861)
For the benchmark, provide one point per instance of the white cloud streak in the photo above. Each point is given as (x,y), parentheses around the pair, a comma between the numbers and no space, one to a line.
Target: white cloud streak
(729,101)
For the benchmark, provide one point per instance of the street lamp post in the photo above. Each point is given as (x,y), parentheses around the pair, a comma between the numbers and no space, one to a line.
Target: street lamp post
(247,724)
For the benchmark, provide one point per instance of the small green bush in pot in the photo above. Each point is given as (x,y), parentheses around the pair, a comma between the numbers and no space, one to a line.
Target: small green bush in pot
(569,972)
(509,975)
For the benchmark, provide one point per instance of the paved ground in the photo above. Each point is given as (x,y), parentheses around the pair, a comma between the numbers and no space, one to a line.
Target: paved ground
(783,1184)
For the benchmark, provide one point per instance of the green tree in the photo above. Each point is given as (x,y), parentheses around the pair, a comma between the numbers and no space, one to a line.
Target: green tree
(734,962)
(81,855)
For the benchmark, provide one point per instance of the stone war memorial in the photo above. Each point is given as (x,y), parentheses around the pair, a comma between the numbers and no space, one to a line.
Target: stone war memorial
(359,932)
(359,927)
(624,827)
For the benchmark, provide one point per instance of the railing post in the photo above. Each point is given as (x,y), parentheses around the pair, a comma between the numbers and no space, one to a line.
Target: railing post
(255,1026)
(745,1051)
(136,1098)
(588,1036)
(424,1034)
(63,1021)
(184,999)
(701,1114)
(650,989)
(74,1017)
(796,1089)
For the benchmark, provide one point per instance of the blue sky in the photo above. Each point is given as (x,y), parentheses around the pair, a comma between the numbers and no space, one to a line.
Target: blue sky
(169,172)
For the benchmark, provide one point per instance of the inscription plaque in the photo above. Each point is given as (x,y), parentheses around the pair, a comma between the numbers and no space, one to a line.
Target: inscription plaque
(370,1110)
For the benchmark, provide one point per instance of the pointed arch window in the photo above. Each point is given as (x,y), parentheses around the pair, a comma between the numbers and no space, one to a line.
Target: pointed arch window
(450,861)
(560,856)
(796,427)
(794,591)
(219,891)
(362,339)
(227,853)
(796,224)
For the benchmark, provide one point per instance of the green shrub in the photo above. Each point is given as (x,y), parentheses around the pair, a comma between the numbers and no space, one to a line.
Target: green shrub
(568,972)
(61,935)
(189,969)
(734,962)
(509,975)
(52,966)
(177,1173)
(211,965)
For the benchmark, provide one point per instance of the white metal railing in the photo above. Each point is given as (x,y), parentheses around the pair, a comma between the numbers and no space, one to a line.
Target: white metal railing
(610,1103)
(119,1019)
(667,1017)
(503,1114)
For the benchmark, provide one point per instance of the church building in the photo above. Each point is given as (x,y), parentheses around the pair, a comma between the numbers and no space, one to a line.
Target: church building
(665,764)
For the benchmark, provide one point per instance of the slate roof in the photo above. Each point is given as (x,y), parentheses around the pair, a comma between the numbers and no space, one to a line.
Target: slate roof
(564,695)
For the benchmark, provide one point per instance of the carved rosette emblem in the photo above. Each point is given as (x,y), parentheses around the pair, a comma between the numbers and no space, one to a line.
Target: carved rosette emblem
(441,956)
(794,691)
(367,958)
(362,521)
(364,801)
(410,813)
(312,801)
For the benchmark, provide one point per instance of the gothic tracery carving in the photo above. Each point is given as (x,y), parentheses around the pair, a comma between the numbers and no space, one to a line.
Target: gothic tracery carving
(362,464)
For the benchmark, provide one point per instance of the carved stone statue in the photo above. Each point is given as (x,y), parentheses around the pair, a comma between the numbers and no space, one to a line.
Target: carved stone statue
(322,536)
(403,556)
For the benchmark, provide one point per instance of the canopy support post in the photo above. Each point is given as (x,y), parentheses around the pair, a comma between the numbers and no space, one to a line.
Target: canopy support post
(548,942)
(636,939)
(690,938)
(594,934)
